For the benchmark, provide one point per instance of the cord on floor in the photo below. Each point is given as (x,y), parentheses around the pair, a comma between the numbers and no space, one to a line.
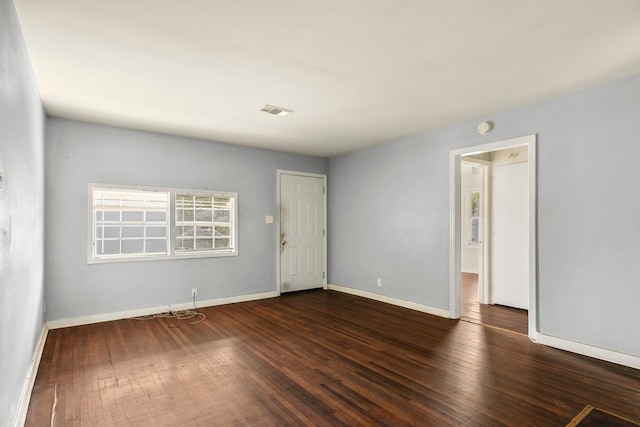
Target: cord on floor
(180,314)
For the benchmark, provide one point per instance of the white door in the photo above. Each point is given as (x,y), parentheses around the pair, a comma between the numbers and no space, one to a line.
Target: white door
(302,221)
(510,235)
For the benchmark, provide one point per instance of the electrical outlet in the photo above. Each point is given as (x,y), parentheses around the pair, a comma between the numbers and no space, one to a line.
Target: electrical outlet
(194,292)
(379,283)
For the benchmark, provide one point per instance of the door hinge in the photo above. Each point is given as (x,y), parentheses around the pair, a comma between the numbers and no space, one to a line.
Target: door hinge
(324,189)
(323,275)
(324,232)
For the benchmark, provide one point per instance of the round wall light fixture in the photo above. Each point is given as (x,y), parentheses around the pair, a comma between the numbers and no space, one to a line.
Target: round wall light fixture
(485,127)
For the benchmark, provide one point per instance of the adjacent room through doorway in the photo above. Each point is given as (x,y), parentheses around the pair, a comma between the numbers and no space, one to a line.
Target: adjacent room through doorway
(494,237)
(493,220)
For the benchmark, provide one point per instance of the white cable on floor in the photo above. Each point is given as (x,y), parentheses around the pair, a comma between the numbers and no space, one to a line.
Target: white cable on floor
(55,403)
(179,314)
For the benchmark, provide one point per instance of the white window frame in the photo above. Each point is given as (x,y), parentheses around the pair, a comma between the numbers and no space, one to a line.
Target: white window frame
(93,258)
(122,218)
(196,224)
(471,217)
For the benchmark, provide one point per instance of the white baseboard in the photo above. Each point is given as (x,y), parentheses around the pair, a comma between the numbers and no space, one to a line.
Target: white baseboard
(97,318)
(588,350)
(30,379)
(389,300)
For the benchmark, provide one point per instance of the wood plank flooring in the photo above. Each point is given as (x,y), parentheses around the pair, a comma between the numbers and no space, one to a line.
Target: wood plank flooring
(316,358)
(512,319)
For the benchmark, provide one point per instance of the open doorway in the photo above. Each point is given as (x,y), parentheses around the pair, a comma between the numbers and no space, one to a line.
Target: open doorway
(493,255)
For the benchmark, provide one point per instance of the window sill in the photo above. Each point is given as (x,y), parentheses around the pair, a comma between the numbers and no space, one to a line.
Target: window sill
(161,257)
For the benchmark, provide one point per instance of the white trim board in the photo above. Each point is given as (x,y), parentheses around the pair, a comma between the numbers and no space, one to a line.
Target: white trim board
(389,300)
(588,350)
(30,379)
(97,318)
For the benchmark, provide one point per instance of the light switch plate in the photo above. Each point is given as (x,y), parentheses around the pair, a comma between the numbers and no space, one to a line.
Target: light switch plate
(268,219)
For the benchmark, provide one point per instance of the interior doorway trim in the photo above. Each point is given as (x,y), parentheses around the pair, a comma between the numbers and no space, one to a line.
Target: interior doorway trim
(484,293)
(281,172)
(455,256)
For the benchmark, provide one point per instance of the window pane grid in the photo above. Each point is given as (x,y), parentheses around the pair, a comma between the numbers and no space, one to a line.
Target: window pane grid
(130,222)
(204,223)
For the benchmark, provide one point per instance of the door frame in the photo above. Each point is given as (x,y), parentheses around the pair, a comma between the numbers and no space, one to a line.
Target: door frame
(484,290)
(280,173)
(455,255)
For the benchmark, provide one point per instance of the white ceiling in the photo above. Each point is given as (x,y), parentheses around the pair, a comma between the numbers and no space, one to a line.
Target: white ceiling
(357,73)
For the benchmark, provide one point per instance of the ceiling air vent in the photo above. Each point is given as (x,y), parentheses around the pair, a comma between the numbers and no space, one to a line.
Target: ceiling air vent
(278,111)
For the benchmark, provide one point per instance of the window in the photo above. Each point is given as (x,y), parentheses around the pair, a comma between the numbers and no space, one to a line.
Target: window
(129,223)
(474,217)
(204,223)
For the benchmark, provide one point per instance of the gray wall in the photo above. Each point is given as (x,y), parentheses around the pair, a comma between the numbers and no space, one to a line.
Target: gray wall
(21,213)
(389,213)
(78,153)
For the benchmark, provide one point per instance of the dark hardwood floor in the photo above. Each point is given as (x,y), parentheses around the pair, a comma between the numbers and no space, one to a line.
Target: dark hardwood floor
(498,316)
(316,358)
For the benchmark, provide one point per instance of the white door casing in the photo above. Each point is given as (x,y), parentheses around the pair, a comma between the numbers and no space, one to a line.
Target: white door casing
(455,157)
(302,230)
